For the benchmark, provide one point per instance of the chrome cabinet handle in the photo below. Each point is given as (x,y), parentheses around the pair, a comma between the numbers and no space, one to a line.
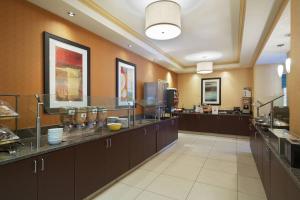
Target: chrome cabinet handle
(109,142)
(43,165)
(35,166)
(145,131)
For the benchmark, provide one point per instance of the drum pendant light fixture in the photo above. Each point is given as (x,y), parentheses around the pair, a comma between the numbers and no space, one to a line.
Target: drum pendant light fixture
(163,21)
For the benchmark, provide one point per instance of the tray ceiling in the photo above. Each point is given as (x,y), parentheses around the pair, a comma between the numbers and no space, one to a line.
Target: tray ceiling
(232,28)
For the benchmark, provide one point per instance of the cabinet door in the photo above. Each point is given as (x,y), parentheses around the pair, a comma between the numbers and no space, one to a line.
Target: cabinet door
(19,180)
(293,190)
(56,175)
(184,122)
(90,167)
(244,125)
(118,155)
(207,123)
(161,135)
(150,141)
(174,130)
(266,169)
(227,124)
(279,180)
(136,146)
(259,154)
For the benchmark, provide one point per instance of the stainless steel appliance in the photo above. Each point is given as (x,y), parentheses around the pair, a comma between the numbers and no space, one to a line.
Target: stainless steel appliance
(154,96)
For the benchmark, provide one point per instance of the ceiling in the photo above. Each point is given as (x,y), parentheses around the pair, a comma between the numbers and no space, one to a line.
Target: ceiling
(231,28)
(278,45)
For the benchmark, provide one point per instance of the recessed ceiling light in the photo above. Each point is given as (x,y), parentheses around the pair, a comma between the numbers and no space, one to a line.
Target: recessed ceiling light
(129,45)
(204,56)
(71,14)
(280,45)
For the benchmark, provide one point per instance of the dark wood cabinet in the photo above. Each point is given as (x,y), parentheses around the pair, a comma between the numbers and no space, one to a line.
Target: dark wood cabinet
(136,146)
(19,180)
(223,124)
(266,164)
(150,141)
(279,180)
(77,172)
(50,176)
(142,144)
(56,175)
(161,135)
(118,157)
(91,167)
(167,133)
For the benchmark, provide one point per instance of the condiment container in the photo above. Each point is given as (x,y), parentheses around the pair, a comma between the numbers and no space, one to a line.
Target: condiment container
(80,116)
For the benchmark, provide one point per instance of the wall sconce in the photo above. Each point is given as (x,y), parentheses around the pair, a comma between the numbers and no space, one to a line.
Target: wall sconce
(288,63)
(280,69)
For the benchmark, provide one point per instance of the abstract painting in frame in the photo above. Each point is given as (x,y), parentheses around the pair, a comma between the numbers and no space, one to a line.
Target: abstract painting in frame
(67,72)
(211,91)
(126,83)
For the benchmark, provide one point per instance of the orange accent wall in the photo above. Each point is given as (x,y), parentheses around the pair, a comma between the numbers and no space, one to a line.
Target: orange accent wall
(21,54)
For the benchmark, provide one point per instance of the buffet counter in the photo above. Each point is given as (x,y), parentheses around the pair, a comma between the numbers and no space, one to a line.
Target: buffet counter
(223,123)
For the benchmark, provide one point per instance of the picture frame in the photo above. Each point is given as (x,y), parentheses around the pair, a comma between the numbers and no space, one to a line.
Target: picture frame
(66,73)
(211,91)
(125,83)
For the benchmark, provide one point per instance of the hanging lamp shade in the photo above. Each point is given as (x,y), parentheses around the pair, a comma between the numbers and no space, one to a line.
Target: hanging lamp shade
(204,67)
(163,20)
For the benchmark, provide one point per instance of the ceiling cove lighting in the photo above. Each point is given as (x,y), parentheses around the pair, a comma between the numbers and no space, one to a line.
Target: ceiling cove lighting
(288,63)
(280,69)
(205,67)
(163,20)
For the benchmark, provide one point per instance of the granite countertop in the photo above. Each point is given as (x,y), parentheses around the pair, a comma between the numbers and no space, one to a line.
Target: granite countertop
(27,147)
(293,172)
(229,113)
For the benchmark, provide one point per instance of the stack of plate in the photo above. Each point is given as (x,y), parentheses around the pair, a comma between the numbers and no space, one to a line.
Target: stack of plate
(55,135)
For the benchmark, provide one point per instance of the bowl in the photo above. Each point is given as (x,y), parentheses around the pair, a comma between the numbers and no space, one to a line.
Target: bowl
(114,126)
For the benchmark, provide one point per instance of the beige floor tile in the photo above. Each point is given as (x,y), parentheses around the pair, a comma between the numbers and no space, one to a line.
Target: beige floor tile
(140,178)
(223,155)
(190,160)
(156,165)
(208,192)
(151,196)
(221,179)
(167,156)
(119,191)
(245,158)
(172,187)
(183,170)
(245,148)
(242,196)
(247,170)
(220,165)
(250,186)
(199,151)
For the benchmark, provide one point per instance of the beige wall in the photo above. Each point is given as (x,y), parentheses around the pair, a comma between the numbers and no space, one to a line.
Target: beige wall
(233,82)
(266,85)
(293,77)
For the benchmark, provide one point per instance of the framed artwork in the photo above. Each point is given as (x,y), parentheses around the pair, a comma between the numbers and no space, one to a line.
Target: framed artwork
(126,82)
(66,72)
(211,91)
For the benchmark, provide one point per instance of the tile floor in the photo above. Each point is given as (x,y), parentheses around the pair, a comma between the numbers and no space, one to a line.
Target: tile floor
(196,167)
